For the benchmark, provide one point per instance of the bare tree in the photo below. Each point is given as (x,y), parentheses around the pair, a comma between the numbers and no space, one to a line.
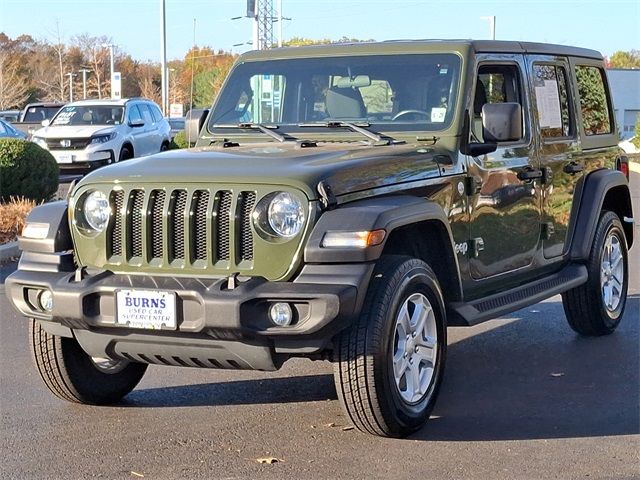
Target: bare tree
(149,89)
(14,87)
(98,59)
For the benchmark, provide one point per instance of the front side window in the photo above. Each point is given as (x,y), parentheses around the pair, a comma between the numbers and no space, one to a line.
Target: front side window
(495,84)
(596,118)
(552,100)
(89,115)
(134,114)
(388,92)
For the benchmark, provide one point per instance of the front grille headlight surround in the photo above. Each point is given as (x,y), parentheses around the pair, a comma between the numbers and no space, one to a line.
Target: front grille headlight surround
(279,216)
(41,142)
(92,212)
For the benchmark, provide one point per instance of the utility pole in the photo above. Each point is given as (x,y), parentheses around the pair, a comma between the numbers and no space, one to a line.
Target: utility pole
(163,56)
(84,82)
(280,20)
(71,75)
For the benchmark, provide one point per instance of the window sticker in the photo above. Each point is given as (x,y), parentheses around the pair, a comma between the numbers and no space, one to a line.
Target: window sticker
(65,117)
(319,107)
(548,102)
(438,114)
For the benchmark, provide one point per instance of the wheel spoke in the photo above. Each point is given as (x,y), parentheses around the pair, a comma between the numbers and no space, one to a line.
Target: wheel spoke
(400,367)
(413,379)
(420,315)
(404,320)
(425,354)
(607,294)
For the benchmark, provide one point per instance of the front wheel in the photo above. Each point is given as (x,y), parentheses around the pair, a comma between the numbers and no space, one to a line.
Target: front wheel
(390,362)
(72,375)
(596,307)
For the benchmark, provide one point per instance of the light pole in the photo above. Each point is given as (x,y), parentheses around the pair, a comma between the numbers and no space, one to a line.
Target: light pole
(84,82)
(71,75)
(492,25)
(163,57)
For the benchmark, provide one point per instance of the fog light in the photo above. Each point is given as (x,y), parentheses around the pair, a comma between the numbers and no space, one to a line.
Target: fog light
(281,314)
(45,299)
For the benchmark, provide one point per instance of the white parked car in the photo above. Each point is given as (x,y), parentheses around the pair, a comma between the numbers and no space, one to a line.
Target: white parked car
(92,133)
(628,146)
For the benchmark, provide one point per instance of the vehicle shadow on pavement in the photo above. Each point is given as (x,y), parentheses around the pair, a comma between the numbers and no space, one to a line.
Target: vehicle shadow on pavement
(537,379)
(529,377)
(311,388)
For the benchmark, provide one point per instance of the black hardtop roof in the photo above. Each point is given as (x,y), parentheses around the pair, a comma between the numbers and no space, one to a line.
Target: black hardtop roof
(423,45)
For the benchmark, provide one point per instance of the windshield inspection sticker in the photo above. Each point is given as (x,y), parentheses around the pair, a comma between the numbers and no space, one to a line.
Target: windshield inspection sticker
(438,114)
(548,102)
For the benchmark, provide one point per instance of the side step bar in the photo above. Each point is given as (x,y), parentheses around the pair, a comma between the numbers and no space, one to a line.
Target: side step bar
(477,311)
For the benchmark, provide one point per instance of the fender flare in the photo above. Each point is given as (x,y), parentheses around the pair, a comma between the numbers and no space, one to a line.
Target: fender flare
(58,237)
(388,213)
(593,192)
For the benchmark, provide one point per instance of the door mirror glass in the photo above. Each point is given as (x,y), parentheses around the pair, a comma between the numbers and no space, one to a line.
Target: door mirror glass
(501,122)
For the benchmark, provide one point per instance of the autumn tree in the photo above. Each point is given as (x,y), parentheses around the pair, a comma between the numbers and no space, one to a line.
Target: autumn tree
(14,87)
(622,59)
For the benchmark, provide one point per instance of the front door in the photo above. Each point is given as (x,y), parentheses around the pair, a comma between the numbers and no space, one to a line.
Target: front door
(504,204)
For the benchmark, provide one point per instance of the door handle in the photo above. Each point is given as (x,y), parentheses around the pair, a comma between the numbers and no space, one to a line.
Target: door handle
(572,168)
(528,174)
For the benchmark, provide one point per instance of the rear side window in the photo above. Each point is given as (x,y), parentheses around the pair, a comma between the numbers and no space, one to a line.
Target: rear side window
(552,101)
(596,117)
(155,111)
(146,114)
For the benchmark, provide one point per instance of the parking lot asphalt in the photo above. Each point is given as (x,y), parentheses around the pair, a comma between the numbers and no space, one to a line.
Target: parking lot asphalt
(523,397)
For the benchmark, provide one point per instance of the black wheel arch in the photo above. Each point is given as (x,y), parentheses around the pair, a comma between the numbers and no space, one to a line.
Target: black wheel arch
(414,226)
(600,190)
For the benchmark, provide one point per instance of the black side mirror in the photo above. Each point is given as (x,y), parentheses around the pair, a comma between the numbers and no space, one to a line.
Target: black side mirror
(501,122)
(136,123)
(194,122)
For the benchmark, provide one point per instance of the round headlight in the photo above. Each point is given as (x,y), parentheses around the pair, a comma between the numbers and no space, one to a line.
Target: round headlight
(96,210)
(286,215)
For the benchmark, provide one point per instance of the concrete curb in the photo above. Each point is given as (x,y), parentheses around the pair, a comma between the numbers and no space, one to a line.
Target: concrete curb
(9,251)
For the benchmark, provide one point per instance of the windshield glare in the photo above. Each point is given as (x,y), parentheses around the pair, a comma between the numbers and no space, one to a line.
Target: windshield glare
(89,115)
(392,92)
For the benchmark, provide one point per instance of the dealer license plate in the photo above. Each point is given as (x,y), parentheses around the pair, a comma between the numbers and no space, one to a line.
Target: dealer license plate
(65,158)
(151,309)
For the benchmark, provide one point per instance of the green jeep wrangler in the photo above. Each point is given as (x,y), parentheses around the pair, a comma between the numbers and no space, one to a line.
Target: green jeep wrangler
(343,202)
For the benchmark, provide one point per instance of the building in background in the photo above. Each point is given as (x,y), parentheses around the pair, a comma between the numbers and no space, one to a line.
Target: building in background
(625,89)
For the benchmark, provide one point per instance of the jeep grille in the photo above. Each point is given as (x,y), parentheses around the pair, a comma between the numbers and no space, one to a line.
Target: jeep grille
(180,227)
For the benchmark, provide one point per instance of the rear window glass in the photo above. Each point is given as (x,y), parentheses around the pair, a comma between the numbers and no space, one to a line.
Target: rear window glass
(596,118)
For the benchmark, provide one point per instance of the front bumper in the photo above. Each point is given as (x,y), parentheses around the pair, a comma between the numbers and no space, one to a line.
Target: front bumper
(218,325)
(89,157)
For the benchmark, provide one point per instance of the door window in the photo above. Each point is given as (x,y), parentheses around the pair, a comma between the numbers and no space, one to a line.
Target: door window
(495,84)
(552,101)
(134,114)
(596,117)
(146,114)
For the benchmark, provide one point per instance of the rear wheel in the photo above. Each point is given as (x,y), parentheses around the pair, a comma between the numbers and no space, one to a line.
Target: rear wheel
(596,307)
(72,375)
(390,362)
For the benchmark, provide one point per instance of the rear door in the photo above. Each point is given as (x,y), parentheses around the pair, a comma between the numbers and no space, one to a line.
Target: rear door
(139,134)
(559,150)
(504,209)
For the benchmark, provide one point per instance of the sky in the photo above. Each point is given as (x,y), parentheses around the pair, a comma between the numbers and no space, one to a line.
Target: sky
(134,25)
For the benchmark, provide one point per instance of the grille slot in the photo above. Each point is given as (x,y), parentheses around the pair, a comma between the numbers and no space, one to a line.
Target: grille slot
(115,229)
(200,204)
(134,235)
(176,213)
(222,211)
(156,234)
(245,236)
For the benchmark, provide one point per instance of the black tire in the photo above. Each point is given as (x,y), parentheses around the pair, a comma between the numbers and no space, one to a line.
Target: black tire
(363,368)
(584,306)
(164,147)
(125,153)
(70,374)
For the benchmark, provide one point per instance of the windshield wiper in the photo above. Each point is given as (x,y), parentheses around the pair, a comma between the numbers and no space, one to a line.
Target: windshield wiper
(267,130)
(376,137)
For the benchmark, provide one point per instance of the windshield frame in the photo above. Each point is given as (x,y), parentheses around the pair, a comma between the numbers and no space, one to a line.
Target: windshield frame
(385,127)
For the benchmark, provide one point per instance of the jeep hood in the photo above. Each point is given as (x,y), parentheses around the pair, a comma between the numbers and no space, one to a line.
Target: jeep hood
(346,167)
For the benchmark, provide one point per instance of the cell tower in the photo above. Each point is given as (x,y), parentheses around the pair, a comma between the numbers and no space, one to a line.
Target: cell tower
(263,14)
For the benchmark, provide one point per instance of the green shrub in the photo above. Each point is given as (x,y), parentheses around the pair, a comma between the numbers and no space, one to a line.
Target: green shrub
(179,141)
(636,138)
(26,170)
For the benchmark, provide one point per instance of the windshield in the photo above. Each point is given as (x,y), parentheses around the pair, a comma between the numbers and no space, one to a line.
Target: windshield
(38,114)
(89,115)
(390,92)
